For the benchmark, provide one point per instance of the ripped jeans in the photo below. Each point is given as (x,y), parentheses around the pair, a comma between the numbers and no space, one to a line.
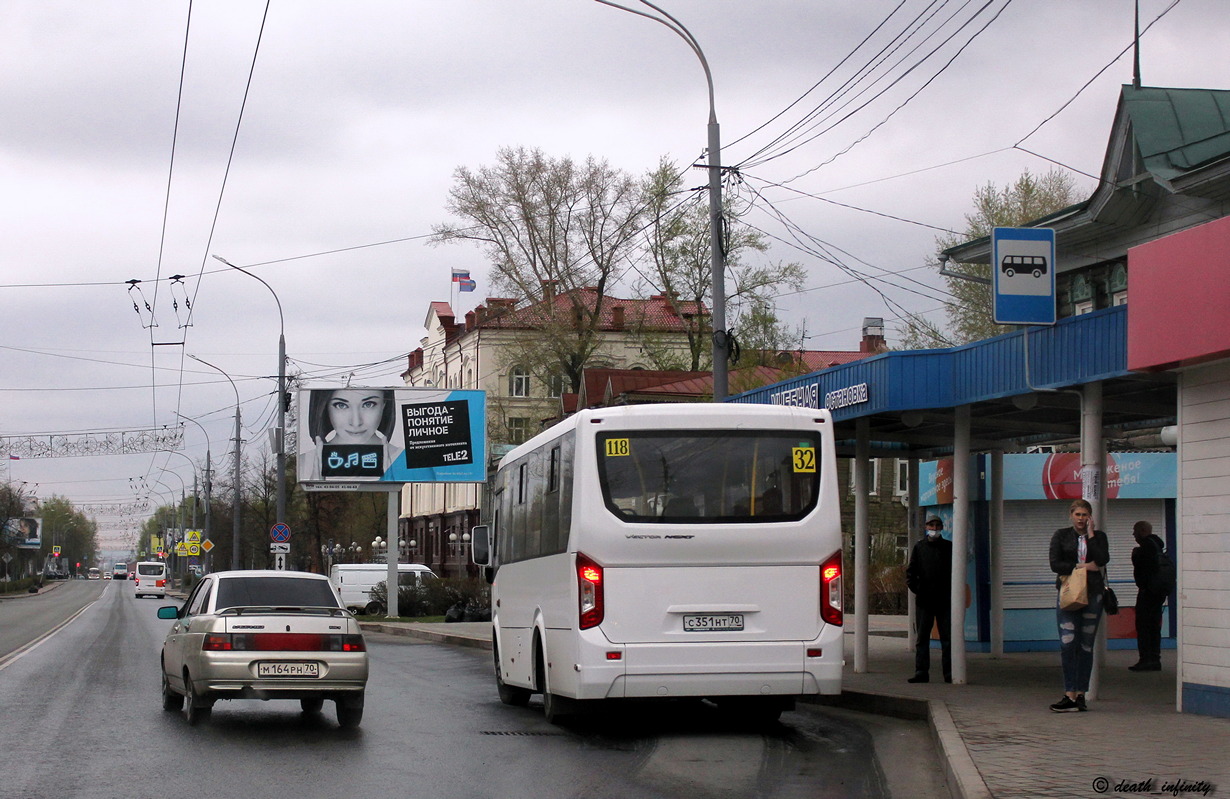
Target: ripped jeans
(1077,631)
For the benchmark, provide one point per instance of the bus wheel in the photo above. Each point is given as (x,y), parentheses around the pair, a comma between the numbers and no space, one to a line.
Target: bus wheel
(1010,272)
(555,708)
(509,694)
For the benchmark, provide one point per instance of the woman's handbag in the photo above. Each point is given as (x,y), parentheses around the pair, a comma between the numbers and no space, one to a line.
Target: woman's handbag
(1074,590)
(1110,602)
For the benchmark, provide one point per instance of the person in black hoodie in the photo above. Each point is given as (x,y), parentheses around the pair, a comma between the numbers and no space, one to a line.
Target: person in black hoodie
(929,577)
(1078,547)
(1151,591)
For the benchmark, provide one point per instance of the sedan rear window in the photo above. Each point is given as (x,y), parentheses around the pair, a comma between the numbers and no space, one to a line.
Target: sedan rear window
(274,592)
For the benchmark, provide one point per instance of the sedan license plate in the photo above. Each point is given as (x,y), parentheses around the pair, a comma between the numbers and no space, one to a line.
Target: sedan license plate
(292,669)
(713,622)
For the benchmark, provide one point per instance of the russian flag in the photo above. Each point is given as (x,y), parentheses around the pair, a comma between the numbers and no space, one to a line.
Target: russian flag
(18,457)
(460,275)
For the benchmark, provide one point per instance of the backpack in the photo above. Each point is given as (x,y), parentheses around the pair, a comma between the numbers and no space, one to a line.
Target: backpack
(1164,582)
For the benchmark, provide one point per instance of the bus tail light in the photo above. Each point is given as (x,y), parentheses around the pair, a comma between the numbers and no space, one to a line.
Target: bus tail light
(589,592)
(831,590)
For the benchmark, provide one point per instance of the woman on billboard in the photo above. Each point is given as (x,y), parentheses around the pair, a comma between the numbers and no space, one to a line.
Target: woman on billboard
(351,433)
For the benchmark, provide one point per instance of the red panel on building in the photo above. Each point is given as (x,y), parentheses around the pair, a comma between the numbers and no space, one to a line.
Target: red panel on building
(1179,298)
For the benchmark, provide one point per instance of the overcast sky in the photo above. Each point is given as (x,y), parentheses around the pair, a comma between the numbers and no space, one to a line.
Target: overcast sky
(358,113)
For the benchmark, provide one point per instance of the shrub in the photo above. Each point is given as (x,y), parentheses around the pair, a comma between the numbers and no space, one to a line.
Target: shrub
(437,597)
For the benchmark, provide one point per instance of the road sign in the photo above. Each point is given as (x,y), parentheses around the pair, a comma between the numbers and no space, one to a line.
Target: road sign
(193,536)
(1023,275)
(181,549)
(279,562)
(207,545)
(279,549)
(280,532)
(55,550)
(194,550)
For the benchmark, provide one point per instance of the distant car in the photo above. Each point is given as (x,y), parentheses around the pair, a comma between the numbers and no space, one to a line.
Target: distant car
(264,635)
(107,576)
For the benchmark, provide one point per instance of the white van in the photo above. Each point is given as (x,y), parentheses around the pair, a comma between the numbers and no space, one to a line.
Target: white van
(150,579)
(354,582)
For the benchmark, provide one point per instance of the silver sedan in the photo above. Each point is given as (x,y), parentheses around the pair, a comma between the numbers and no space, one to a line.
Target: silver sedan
(264,635)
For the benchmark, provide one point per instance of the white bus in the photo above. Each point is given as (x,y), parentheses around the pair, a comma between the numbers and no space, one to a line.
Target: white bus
(680,550)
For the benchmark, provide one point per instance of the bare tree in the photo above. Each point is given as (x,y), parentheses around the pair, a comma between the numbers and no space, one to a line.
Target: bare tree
(679,266)
(551,229)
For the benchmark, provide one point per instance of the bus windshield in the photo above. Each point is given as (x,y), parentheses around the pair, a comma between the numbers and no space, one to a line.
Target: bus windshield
(701,476)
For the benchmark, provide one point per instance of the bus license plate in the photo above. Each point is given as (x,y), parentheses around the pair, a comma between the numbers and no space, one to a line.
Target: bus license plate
(305,669)
(713,622)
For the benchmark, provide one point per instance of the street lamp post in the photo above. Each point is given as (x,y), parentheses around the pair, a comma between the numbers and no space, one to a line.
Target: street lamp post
(280,455)
(208,482)
(717,258)
(238,457)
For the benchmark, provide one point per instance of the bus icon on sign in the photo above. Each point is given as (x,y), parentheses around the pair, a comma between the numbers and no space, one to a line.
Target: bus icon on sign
(1025,264)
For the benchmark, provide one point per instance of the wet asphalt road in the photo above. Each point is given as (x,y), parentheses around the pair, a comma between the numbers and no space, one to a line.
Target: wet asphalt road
(80,716)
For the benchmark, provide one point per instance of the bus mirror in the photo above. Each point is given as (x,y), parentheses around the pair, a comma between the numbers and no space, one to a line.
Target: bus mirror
(480,551)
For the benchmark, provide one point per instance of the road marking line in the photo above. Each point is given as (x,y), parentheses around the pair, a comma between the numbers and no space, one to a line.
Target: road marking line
(18,654)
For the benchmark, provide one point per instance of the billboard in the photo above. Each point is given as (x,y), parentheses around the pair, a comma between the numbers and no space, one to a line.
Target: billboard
(376,438)
(24,532)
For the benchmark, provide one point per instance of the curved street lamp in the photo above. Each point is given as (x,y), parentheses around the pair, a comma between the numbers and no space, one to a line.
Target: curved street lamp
(280,455)
(238,458)
(717,259)
(208,479)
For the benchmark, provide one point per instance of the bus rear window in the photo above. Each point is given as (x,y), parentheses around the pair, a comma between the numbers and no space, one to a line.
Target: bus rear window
(723,476)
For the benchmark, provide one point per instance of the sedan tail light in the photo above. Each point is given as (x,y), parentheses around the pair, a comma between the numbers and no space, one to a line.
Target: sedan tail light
(830,590)
(282,642)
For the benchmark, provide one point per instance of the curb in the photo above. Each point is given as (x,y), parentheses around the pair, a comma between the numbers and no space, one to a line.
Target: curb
(964,779)
(426,635)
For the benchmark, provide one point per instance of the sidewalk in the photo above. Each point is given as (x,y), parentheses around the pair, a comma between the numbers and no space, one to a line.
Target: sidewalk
(997,733)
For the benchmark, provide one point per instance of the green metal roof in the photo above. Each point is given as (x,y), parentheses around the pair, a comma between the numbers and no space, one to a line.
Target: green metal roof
(1178,129)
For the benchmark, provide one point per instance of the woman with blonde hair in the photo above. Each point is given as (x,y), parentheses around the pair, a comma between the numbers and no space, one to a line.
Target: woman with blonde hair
(1078,547)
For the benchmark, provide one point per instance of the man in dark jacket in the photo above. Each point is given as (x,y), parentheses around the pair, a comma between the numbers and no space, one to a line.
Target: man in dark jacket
(1151,592)
(929,577)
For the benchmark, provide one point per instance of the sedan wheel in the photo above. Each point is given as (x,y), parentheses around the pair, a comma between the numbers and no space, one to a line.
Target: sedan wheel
(349,713)
(199,709)
(170,699)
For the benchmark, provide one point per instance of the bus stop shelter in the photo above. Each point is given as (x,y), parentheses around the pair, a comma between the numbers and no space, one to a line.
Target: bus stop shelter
(981,398)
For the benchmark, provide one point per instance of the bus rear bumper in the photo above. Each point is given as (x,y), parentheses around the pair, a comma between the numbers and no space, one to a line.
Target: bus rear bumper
(700,669)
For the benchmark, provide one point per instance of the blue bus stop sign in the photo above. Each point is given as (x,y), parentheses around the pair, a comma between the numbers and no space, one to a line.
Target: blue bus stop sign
(1023,275)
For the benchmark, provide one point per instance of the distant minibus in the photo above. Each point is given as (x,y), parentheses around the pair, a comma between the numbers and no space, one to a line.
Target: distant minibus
(668,551)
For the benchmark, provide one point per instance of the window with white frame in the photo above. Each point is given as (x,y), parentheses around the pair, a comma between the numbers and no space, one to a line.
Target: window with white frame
(519,382)
(555,385)
(873,476)
(902,486)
